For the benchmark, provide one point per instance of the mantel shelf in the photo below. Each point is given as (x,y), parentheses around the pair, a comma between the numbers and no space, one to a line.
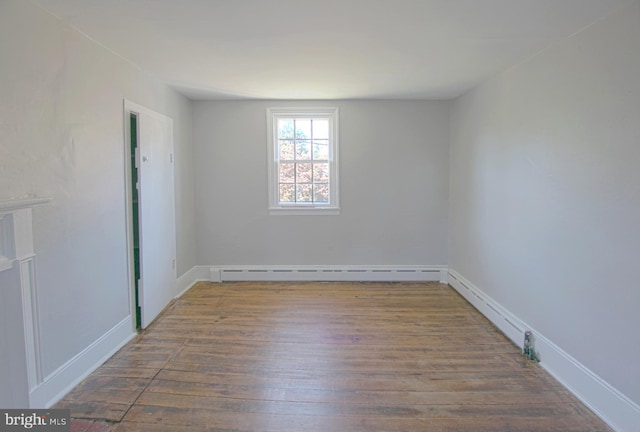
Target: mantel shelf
(15,204)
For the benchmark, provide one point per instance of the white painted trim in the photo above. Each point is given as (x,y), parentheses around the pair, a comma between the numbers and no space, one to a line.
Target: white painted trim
(300,210)
(508,323)
(17,247)
(191,277)
(7,247)
(70,374)
(31,323)
(15,204)
(613,407)
(5,264)
(128,205)
(333,115)
(392,273)
(215,275)
(616,409)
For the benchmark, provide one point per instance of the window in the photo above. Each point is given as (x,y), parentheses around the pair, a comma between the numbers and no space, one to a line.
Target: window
(303,164)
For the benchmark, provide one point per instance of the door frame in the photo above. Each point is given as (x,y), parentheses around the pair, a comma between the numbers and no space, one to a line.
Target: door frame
(129,108)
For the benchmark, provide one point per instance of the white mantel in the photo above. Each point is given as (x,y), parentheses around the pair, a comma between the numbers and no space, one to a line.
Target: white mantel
(16,232)
(20,344)
(20,203)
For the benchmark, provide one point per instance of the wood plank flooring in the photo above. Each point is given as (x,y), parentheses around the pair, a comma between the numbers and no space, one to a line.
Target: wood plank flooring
(325,357)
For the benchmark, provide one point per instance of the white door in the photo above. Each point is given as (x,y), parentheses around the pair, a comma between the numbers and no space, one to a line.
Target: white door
(156,211)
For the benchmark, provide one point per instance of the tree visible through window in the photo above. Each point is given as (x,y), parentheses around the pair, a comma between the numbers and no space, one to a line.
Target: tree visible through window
(303,146)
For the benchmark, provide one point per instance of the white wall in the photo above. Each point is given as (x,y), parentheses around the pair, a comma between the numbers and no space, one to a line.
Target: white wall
(393,188)
(61,135)
(545,195)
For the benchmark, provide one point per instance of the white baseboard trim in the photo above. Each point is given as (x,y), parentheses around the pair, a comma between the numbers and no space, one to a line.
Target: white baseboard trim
(191,277)
(613,407)
(297,273)
(67,376)
(507,322)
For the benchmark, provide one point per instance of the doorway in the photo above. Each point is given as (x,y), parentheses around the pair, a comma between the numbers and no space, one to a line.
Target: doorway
(151,211)
(133,136)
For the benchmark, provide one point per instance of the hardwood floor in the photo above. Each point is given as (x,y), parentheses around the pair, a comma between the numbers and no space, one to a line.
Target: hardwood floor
(328,357)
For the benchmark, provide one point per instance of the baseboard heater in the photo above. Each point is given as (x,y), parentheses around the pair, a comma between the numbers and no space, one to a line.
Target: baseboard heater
(327,274)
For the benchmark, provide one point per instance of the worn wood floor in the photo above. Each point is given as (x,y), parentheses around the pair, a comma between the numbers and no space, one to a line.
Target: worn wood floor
(330,357)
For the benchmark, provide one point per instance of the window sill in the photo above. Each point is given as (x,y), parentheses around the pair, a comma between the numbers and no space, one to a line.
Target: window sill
(289,211)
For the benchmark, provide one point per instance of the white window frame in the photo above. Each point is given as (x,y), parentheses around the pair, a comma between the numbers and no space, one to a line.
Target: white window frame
(275,113)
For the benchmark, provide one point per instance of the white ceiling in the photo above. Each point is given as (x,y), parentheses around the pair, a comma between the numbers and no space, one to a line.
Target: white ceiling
(327,49)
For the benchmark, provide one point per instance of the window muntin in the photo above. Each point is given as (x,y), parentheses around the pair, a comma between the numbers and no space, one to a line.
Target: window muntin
(303,172)
(303,147)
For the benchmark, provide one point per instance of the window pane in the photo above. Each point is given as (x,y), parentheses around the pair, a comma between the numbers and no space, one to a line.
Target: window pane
(321,149)
(303,128)
(303,171)
(321,129)
(286,150)
(303,193)
(285,128)
(287,193)
(321,173)
(287,173)
(321,193)
(303,150)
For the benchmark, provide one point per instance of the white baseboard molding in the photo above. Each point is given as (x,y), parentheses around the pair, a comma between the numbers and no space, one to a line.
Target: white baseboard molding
(613,407)
(191,277)
(508,323)
(67,376)
(299,273)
